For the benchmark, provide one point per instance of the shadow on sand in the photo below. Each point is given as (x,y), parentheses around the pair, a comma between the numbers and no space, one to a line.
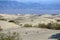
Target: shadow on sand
(55,36)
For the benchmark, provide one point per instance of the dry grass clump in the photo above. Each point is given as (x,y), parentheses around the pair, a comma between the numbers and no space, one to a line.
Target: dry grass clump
(11,21)
(41,26)
(50,26)
(9,36)
(27,25)
(57,20)
(1,28)
(14,21)
(2,18)
(55,26)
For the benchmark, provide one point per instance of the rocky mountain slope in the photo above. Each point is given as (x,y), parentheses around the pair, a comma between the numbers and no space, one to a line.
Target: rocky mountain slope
(21,7)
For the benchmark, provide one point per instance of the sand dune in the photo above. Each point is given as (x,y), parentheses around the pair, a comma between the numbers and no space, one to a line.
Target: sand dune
(29,33)
(7,25)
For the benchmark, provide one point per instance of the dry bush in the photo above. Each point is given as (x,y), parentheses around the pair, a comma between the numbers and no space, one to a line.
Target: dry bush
(41,26)
(55,26)
(1,28)
(9,36)
(14,21)
(27,25)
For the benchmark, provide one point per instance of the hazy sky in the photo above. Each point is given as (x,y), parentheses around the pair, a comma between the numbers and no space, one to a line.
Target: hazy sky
(34,0)
(56,4)
(38,1)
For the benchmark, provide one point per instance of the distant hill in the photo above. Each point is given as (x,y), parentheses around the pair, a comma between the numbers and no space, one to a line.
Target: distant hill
(20,7)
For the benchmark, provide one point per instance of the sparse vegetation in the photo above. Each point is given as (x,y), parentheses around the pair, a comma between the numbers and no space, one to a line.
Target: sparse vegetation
(55,26)
(41,26)
(27,25)
(17,22)
(10,36)
(58,20)
(50,26)
(14,21)
(20,24)
(2,18)
(1,28)
(11,21)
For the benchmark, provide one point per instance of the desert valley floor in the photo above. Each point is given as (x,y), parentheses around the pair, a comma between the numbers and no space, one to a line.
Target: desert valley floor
(30,33)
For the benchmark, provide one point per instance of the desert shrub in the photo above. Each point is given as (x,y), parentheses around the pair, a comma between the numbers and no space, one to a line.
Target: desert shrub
(58,20)
(50,26)
(41,26)
(14,21)
(27,25)
(17,22)
(9,36)
(3,19)
(1,28)
(20,24)
(11,21)
(55,26)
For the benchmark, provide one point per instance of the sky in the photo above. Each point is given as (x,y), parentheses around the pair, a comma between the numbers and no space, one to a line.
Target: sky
(33,0)
(37,1)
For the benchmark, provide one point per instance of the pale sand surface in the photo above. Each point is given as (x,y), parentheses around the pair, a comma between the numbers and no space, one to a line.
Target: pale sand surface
(29,33)
(35,33)
(7,25)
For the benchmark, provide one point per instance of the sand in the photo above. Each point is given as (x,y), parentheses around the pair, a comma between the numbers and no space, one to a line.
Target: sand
(7,25)
(29,33)
(35,33)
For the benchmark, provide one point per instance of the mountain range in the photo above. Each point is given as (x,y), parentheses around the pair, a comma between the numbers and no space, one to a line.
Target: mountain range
(31,7)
